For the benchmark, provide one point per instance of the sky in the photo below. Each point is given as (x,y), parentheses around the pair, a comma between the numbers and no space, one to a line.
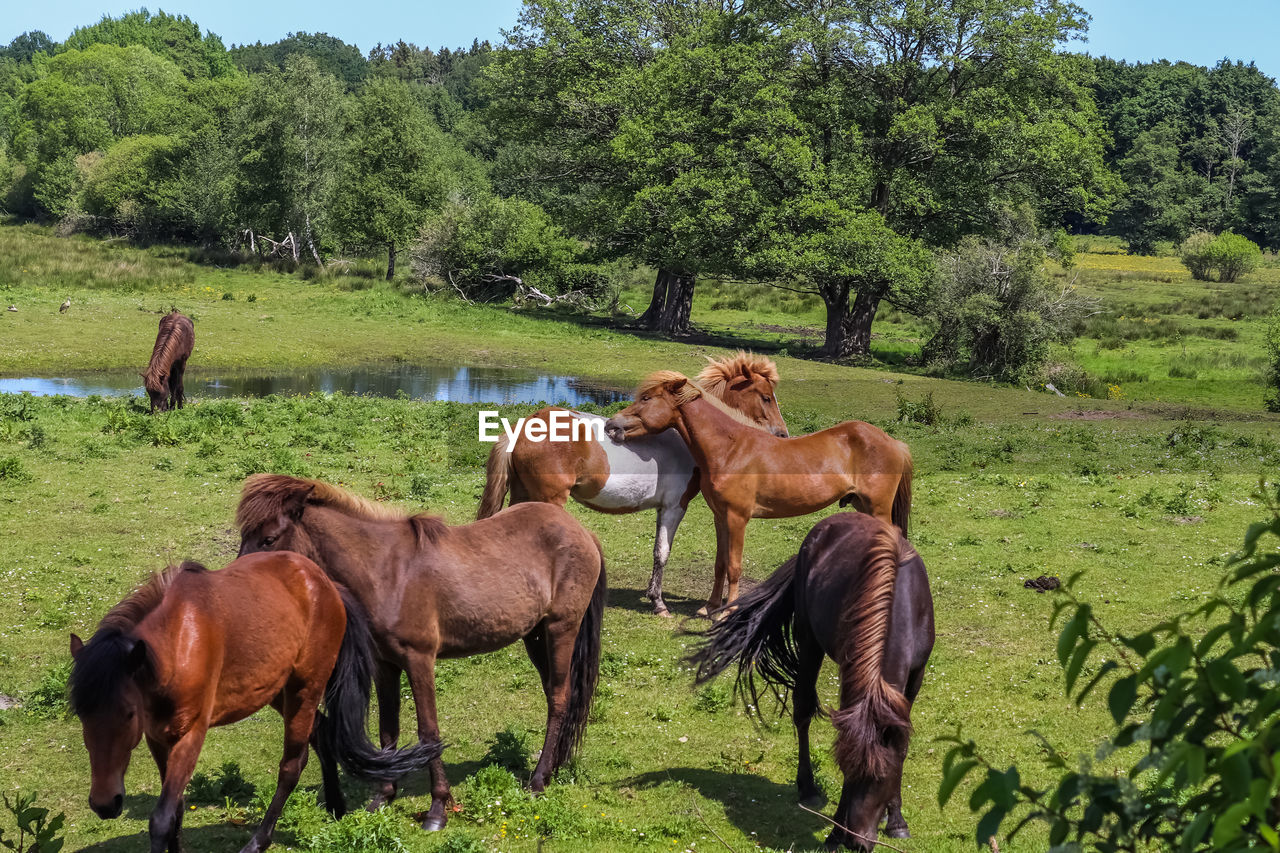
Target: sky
(1137,30)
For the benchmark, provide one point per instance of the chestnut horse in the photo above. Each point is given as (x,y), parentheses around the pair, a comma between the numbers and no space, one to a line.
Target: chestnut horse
(434,591)
(857,592)
(191,649)
(163,378)
(651,472)
(747,473)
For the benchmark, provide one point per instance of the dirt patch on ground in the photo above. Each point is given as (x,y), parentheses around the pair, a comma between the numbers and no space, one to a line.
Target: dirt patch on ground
(1044,583)
(1187,519)
(1099,415)
(7,702)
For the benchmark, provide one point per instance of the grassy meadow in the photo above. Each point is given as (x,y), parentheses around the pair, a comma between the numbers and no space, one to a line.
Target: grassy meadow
(1146,493)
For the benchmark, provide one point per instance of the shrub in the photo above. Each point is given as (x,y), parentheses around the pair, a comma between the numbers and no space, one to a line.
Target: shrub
(1194,703)
(49,699)
(1273,362)
(1194,254)
(37,832)
(1229,255)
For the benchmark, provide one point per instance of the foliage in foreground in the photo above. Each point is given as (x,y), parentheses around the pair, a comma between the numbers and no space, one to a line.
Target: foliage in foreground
(36,831)
(1197,715)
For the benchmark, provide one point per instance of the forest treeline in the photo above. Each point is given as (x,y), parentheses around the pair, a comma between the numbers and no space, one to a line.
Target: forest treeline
(926,155)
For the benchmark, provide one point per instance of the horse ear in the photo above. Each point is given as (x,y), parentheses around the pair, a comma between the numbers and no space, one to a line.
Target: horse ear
(298,502)
(137,658)
(676,384)
(76,645)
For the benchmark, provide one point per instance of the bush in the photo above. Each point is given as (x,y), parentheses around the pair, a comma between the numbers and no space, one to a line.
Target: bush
(1194,702)
(1194,254)
(1228,255)
(1273,362)
(994,309)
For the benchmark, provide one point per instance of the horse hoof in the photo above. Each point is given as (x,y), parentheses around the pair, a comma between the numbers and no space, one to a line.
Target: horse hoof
(433,824)
(897,832)
(813,800)
(702,611)
(662,611)
(377,803)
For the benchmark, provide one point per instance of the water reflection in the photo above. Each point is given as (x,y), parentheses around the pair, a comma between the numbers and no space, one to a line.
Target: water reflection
(496,385)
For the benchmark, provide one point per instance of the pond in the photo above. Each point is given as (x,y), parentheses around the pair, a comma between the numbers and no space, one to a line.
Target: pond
(498,385)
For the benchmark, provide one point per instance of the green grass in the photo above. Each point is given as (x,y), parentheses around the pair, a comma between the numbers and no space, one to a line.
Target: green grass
(1010,484)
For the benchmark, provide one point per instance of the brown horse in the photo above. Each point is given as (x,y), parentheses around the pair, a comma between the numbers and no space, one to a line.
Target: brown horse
(191,649)
(651,472)
(435,591)
(747,473)
(163,378)
(858,593)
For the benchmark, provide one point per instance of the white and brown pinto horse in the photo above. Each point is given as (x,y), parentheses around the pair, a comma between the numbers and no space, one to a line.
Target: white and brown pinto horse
(653,472)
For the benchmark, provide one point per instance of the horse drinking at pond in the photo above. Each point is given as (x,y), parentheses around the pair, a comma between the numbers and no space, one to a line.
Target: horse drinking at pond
(191,649)
(163,377)
(857,592)
(748,473)
(654,471)
(530,573)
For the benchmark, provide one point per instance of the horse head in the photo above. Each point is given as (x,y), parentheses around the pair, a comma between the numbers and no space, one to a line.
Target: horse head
(270,514)
(656,408)
(747,383)
(107,696)
(157,389)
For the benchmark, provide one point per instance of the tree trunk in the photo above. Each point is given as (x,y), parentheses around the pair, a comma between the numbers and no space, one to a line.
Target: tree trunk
(849,328)
(679,307)
(649,319)
(391,261)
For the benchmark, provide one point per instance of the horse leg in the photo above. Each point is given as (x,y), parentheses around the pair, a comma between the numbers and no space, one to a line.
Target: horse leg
(535,643)
(559,639)
(804,708)
(422,680)
(179,391)
(839,835)
(160,753)
(722,550)
(669,518)
(334,802)
(733,562)
(180,764)
(386,681)
(895,824)
(299,721)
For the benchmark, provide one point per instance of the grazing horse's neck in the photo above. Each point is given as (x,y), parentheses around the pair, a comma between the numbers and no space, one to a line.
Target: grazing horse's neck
(350,550)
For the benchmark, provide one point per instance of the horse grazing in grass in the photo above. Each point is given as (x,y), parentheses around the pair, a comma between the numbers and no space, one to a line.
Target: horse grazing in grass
(858,593)
(747,473)
(530,573)
(163,377)
(191,649)
(655,471)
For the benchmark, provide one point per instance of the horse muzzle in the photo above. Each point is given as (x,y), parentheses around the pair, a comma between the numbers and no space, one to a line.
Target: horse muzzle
(781,432)
(615,430)
(109,810)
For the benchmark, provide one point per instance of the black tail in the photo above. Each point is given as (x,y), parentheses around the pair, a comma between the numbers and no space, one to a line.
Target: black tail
(584,671)
(343,730)
(756,631)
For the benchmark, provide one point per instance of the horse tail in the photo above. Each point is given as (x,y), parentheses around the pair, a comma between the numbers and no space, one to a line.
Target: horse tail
(343,732)
(497,476)
(584,670)
(901,510)
(757,632)
(875,727)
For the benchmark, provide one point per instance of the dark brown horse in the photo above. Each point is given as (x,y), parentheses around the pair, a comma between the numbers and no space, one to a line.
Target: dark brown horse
(747,473)
(191,649)
(858,593)
(163,378)
(653,472)
(530,573)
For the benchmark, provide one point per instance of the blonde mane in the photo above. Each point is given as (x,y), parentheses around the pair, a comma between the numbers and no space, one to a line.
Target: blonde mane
(265,496)
(717,375)
(690,392)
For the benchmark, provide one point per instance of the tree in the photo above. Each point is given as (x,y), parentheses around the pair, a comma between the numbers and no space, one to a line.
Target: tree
(330,54)
(396,169)
(1228,255)
(23,48)
(174,37)
(285,143)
